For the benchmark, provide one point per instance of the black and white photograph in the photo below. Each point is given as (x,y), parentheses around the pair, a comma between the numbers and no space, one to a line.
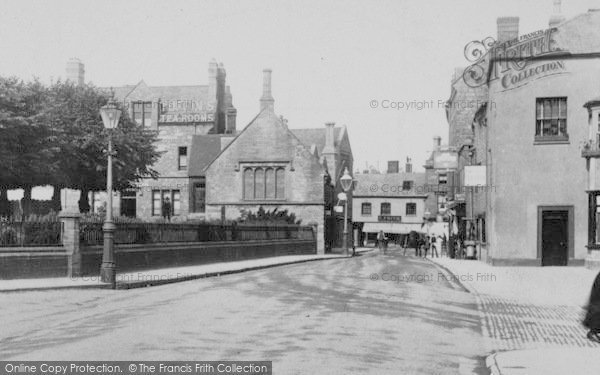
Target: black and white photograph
(291,187)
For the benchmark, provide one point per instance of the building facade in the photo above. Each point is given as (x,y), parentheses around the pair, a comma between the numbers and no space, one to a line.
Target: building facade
(526,143)
(272,166)
(179,114)
(394,203)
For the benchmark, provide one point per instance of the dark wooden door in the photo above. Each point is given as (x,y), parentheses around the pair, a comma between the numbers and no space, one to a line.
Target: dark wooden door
(128,204)
(555,238)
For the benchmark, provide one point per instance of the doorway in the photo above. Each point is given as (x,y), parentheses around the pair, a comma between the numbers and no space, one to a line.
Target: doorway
(555,240)
(128,203)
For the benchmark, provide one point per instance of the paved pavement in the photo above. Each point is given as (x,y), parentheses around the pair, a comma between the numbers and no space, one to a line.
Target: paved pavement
(372,314)
(159,276)
(531,316)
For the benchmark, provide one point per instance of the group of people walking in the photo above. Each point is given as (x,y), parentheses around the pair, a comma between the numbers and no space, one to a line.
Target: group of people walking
(425,244)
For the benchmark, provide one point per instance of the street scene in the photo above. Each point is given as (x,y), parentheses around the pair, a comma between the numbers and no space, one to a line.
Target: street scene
(300,187)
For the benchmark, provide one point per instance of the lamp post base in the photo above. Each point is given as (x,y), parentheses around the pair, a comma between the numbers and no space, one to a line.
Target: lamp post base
(108,273)
(108,268)
(345,243)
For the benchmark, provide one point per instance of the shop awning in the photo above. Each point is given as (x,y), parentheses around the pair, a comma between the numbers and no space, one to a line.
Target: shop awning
(396,228)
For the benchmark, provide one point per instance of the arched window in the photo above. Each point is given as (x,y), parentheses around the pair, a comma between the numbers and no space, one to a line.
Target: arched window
(259,183)
(270,183)
(248,183)
(280,183)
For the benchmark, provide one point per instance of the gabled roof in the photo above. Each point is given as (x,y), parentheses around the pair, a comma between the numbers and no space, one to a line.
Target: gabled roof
(390,184)
(205,148)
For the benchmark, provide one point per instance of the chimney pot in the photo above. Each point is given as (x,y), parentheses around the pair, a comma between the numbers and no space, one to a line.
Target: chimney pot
(557,17)
(408,168)
(508,28)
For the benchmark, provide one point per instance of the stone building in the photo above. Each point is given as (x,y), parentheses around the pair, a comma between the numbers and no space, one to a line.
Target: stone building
(439,172)
(270,165)
(394,202)
(526,139)
(179,114)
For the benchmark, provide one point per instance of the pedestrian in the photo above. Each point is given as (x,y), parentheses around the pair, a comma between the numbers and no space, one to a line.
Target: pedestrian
(434,246)
(405,243)
(426,245)
(166,209)
(444,245)
(592,317)
(385,243)
(380,238)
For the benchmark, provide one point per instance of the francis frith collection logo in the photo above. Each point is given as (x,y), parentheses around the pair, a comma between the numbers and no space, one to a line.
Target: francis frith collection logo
(513,63)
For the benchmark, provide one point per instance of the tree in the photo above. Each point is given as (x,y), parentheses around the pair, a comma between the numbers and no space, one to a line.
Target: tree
(27,149)
(55,136)
(73,112)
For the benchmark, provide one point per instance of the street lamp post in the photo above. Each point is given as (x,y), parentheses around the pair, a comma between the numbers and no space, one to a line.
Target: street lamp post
(346,182)
(110,114)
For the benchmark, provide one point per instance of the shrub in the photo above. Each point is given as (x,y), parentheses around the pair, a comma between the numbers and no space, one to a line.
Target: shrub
(268,217)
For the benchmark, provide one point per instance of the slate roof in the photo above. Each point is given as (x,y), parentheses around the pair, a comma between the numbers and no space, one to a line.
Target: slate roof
(141,91)
(205,148)
(316,137)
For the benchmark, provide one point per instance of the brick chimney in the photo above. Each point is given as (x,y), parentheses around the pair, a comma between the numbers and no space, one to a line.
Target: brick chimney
(508,28)
(557,17)
(75,71)
(329,138)
(213,72)
(393,166)
(266,101)
(437,143)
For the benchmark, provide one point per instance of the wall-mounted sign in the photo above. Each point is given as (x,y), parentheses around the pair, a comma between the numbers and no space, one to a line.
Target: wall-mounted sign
(186,110)
(445,159)
(389,218)
(338,209)
(475,175)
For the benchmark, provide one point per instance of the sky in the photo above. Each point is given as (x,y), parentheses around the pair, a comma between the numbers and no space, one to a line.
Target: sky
(331,60)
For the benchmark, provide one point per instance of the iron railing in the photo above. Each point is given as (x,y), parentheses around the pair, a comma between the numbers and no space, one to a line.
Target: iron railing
(145,233)
(30,233)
